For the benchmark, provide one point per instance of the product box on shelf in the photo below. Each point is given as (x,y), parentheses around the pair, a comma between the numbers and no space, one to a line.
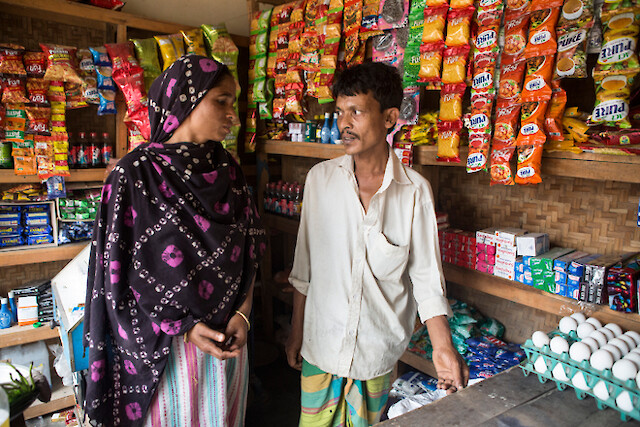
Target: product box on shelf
(27,225)
(622,285)
(485,250)
(561,268)
(592,287)
(507,236)
(532,244)
(544,262)
(564,262)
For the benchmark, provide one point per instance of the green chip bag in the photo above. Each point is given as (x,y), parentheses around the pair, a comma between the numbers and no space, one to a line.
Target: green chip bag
(147,54)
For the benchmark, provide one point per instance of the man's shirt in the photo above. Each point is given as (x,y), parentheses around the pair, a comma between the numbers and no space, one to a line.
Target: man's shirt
(364,273)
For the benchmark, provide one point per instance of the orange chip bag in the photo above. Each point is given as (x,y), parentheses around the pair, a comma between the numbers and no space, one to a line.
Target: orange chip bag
(532,116)
(434,23)
(516,8)
(437,3)
(536,83)
(482,84)
(458,27)
(461,4)
(545,4)
(529,161)
(454,67)
(13,91)
(542,33)
(553,119)
(11,60)
(500,169)
(448,146)
(515,39)
(60,65)
(451,102)
(430,62)
(506,123)
(511,81)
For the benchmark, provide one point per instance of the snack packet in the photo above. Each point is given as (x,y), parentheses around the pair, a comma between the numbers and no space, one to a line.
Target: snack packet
(410,106)
(506,123)
(618,54)
(517,8)
(542,33)
(13,91)
(448,146)
(489,12)
(171,48)
(532,115)
(537,80)
(482,84)
(515,40)
(571,61)
(511,76)
(60,63)
(146,51)
(479,122)
(11,60)
(434,24)
(35,63)
(612,101)
(430,62)
(576,14)
(478,158)
(393,14)
(459,27)
(529,162)
(194,41)
(500,169)
(454,64)
(555,113)
(451,102)
(485,42)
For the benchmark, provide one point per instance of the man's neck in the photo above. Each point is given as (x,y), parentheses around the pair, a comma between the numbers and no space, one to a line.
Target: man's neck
(372,162)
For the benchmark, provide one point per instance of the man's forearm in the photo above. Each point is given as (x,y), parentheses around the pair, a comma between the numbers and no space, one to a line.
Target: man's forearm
(297,318)
(439,332)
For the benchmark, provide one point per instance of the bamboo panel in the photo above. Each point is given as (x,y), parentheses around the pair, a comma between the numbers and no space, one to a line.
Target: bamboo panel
(593,216)
(16,276)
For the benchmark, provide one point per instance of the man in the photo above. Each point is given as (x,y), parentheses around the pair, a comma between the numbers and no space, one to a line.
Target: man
(366,257)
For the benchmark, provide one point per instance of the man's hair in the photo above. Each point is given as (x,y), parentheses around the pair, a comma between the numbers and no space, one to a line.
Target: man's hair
(382,80)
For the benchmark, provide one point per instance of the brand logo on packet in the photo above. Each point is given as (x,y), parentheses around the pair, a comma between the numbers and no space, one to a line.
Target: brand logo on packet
(541,37)
(526,172)
(617,50)
(486,39)
(476,161)
(485,3)
(478,121)
(482,80)
(610,111)
(535,84)
(529,129)
(571,40)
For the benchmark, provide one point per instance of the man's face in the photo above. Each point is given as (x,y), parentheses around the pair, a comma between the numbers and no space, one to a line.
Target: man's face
(362,125)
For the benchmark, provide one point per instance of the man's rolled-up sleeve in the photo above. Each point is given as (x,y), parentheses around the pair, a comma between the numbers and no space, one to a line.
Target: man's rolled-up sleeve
(300,276)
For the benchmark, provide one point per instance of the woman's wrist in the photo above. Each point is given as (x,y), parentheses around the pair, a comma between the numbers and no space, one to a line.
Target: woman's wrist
(245,318)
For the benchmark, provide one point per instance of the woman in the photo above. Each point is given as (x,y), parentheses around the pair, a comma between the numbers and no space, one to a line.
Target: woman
(174,254)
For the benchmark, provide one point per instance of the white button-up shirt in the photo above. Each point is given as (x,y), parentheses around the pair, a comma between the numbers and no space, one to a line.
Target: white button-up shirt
(364,273)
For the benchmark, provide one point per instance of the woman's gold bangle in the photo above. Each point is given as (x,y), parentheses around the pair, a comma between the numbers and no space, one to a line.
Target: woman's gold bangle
(246,319)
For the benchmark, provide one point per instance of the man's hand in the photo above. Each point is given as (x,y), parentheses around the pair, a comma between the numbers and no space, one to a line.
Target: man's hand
(453,372)
(292,349)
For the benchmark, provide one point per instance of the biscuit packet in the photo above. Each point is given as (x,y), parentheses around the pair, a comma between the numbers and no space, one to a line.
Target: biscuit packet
(618,54)
(571,60)
(393,14)
(612,101)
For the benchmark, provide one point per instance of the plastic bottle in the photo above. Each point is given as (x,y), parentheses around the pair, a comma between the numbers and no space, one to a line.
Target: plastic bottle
(275,207)
(335,132)
(325,134)
(291,208)
(297,201)
(82,161)
(13,306)
(318,120)
(94,150)
(73,149)
(5,314)
(107,149)
(284,199)
(4,409)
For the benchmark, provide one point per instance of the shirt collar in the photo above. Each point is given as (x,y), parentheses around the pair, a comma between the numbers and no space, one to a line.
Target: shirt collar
(394,169)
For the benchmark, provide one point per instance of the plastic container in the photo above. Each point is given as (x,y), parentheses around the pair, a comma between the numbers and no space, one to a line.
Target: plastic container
(335,131)
(325,134)
(13,306)
(5,314)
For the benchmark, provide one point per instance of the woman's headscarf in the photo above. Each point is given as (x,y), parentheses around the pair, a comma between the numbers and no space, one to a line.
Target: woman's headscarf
(177,240)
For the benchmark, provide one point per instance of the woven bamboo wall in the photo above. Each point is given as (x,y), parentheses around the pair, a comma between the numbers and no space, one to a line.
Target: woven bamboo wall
(593,216)
(16,276)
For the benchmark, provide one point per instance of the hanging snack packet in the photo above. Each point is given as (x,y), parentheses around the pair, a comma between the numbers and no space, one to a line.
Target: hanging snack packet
(221,47)
(537,80)
(511,76)
(60,63)
(74,96)
(146,51)
(542,33)
(515,40)
(410,106)
(194,41)
(571,61)
(454,68)
(461,4)
(351,24)
(100,56)
(532,116)
(576,14)
(485,42)
(104,78)
(555,112)
(122,58)
(482,84)
(437,3)
(58,116)
(500,169)
(369,25)
(85,63)
(11,60)
(171,48)
(618,54)
(615,7)
(459,27)
(612,101)
(38,120)
(451,102)
(434,23)
(107,102)
(529,162)
(448,146)
(479,122)
(478,158)
(15,123)
(55,93)
(506,123)
(430,62)
(517,8)
(489,12)
(35,63)
(393,14)
(13,91)
(131,83)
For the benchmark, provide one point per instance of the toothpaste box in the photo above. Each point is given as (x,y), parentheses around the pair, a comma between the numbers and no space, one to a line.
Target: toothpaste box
(576,267)
(563,263)
(507,236)
(532,244)
(544,262)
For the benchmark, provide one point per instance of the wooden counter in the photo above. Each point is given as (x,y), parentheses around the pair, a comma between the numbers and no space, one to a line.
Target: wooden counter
(511,399)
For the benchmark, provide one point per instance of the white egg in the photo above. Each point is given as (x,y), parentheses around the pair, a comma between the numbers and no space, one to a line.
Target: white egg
(540,339)
(624,348)
(580,317)
(592,343)
(606,332)
(540,365)
(585,329)
(615,351)
(635,350)
(638,379)
(567,324)
(630,342)
(559,373)
(595,322)
(634,357)
(599,337)
(623,401)
(613,327)
(634,335)
(579,351)
(624,369)
(559,345)
(601,360)
(601,391)
(580,382)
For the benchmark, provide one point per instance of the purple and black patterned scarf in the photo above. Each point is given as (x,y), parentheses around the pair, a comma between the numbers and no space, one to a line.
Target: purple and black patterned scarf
(177,241)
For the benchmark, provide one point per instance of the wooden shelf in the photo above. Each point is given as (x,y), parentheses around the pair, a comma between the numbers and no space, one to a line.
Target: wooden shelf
(81,175)
(418,362)
(39,255)
(536,298)
(62,397)
(604,167)
(280,223)
(18,335)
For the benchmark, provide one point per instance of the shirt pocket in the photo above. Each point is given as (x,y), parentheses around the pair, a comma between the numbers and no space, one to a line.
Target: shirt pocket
(386,260)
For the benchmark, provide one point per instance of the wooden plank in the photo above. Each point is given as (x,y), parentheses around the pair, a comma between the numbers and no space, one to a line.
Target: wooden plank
(31,255)
(18,335)
(61,398)
(536,298)
(302,149)
(478,403)
(8,176)
(280,223)
(418,362)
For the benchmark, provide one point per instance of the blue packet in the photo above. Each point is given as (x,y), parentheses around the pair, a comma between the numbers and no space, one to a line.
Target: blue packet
(10,230)
(36,218)
(10,209)
(107,103)
(100,56)
(7,241)
(39,239)
(38,229)
(105,82)
(55,187)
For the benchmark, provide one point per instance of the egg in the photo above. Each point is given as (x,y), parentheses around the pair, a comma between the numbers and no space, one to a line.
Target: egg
(559,373)
(638,379)
(634,357)
(630,342)
(580,318)
(635,350)
(600,338)
(606,332)
(624,348)
(623,401)
(613,327)
(567,324)
(580,382)
(601,360)
(615,351)
(540,339)
(540,365)
(559,345)
(595,322)
(601,391)
(624,369)
(585,329)
(592,343)
(634,335)
(579,351)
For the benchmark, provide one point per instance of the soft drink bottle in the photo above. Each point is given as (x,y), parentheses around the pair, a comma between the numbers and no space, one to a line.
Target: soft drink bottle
(82,161)
(94,151)
(107,149)
(276,199)
(73,152)
(297,201)
(284,199)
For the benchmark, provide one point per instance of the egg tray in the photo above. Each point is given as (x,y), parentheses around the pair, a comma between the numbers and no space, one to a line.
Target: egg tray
(592,377)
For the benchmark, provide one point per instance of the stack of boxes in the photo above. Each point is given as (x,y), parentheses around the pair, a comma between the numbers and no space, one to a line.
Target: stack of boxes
(486,250)
(458,247)
(523,270)
(506,252)
(575,273)
(593,286)
(26,224)
(542,269)
(561,272)
(529,245)
(622,285)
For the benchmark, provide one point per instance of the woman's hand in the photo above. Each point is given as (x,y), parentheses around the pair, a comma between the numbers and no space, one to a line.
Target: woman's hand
(220,345)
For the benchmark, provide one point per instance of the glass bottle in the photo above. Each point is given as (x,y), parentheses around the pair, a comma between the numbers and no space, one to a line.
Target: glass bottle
(297,201)
(82,160)
(94,150)
(73,150)
(107,149)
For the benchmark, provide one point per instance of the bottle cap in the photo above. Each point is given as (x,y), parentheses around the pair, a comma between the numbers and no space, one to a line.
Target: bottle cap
(94,134)
(327,115)
(3,300)
(105,135)
(82,134)
(10,294)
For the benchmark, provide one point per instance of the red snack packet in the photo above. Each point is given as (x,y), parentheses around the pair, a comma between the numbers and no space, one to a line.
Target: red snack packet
(35,63)
(37,91)
(482,84)
(506,123)
(479,122)
(511,76)
(11,60)
(515,40)
(545,4)
(478,158)
(555,112)
(434,24)
(38,120)
(430,62)
(131,83)
(448,146)
(516,8)
(537,81)
(122,57)
(489,12)
(56,93)
(500,170)
(107,4)
(459,26)
(532,116)
(141,119)
(542,33)
(13,91)
(60,63)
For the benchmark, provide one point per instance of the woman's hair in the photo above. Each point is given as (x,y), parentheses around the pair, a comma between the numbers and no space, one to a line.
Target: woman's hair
(224,72)
(382,80)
